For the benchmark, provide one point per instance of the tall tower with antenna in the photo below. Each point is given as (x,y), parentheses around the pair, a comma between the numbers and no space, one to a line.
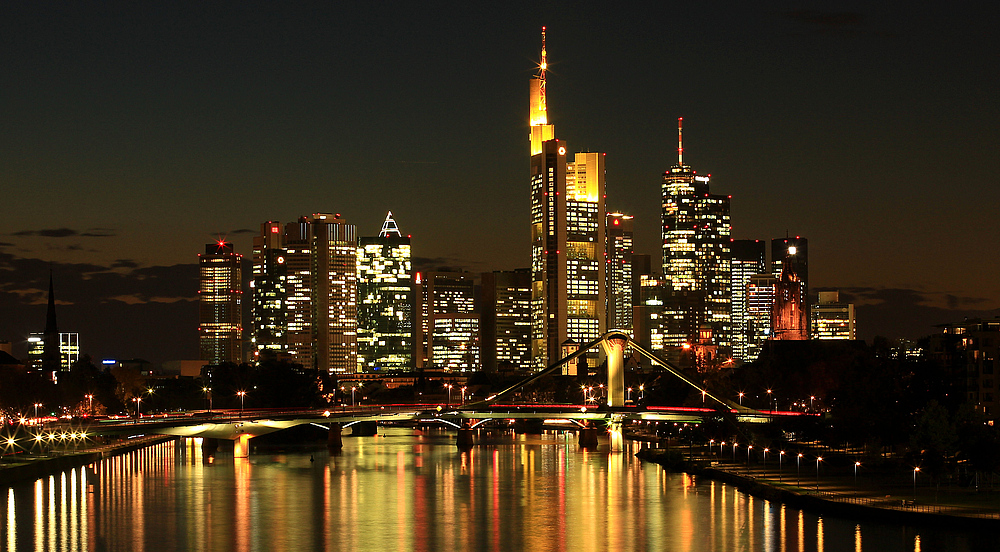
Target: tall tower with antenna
(568,284)
(696,235)
(385,300)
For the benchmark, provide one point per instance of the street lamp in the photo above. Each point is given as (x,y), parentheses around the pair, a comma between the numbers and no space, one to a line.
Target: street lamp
(856,464)
(722,444)
(769,402)
(915,470)
(642,394)
(36,411)
(765,462)
(818,460)
(138,403)
(208,393)
(734,451)
(242,395)
(353,389)
(798,470)
(449,386)
(811,399)
(780,456)
(749,448)
(711,447)
(90,403)
(463,394)
(741,398)
(629,397)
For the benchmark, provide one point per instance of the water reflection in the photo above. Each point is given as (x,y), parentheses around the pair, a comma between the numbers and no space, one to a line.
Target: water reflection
(400,491)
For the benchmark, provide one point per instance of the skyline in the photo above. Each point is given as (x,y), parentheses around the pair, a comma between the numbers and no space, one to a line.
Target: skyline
(137,136)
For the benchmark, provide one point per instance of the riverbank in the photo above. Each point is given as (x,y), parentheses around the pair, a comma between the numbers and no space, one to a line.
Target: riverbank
(835,495)
(32,467)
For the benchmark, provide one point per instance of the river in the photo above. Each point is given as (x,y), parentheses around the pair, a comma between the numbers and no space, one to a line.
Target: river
(410,490)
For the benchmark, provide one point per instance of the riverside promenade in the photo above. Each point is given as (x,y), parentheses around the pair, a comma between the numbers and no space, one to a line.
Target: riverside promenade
(888,492)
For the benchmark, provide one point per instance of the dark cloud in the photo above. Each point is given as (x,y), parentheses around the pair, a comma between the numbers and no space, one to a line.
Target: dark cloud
(49,233)
(67,233)
(124,263)
(5,244)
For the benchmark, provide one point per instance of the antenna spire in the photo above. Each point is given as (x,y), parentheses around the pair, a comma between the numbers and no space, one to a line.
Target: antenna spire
(389,227)
(541,74)
(680,142)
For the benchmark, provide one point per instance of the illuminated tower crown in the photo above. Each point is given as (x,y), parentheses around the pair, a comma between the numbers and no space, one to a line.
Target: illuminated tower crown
(538,117)
(389,227)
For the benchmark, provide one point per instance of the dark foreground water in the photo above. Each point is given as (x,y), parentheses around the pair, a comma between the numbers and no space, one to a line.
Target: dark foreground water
(404,490)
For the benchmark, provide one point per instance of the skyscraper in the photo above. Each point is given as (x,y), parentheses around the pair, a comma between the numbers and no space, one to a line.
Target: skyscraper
(619,271)
(567,237)
(446,325)
(505,323)
(385,300)
(298,292)
(749,259)
(334,267)
(696,234)
(220,325)
(796,252)
(268,293)
(761,292)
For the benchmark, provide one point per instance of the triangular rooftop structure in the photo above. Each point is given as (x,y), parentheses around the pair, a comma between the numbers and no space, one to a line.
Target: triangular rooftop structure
(389,227)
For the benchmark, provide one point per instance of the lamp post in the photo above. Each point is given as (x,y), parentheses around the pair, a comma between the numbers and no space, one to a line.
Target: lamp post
(242,395)
(90,403)
(463,394)
(765,462)
(856,464)
(915,470)
(780,456)
(353,389)
(798,470)
(449,386)
(818,460)
(208,395)
(734,451)
(811,399)
(628,398)
(138,405)
(642,389)
(722,444)
(741,397)
(36,412)
(769,402)
(711,447)
(749,448)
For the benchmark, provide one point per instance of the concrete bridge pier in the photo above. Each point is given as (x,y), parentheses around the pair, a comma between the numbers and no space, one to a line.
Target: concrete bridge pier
(335,437)
(614,346)
(241,446)
(466,436)
(364,429)
(588,437)
(209,446)
(616,440)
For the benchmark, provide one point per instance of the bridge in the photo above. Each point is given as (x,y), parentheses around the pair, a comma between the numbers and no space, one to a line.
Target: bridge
(241,425)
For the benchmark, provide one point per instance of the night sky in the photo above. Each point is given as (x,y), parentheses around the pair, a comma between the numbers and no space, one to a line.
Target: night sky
(136,133)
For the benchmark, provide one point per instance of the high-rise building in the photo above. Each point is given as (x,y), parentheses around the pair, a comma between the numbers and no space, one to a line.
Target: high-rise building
(696,234)
(793,253)
(832,319)
(567,237)
(298,292)
(68,344)
(619,271)
(761,291)
(334,267)
(749,258)
(506,319)
(385,300)
(268,293)
(220,324)
(446,324)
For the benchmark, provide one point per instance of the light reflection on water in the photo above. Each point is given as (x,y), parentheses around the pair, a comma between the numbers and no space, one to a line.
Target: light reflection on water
(407,490)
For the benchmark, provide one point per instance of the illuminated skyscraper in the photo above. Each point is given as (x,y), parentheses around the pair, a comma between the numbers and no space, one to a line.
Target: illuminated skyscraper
(298,292)
(761,292)
(267,292)
(696,234)
(832,319)
(385,300)
(220,327)
(619,271)
(749,258)
(447,326)
(506,319)
(567,237)
(68,347)
(334,267)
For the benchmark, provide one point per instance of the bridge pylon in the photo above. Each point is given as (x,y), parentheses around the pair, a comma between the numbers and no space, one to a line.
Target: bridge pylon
(614,343)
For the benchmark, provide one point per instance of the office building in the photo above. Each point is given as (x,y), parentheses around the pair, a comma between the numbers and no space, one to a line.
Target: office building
(749,259)
(220,322)
(446,322)
(385,300)
(268,293)
(334,268)
(506,319)
(298,292)
(761,291)
(68,344)
(968,352)
(832,319)
(567,237)
(696,235)
(619,271)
